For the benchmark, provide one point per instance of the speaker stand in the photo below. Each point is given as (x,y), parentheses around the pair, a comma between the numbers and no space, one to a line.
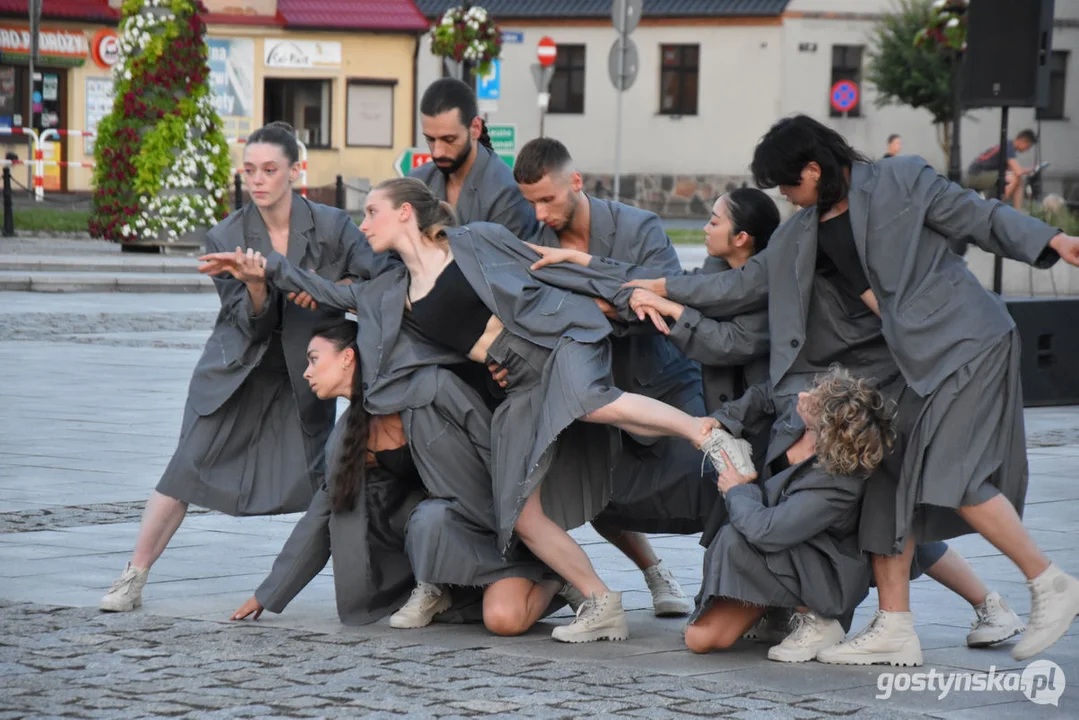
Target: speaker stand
(998,261)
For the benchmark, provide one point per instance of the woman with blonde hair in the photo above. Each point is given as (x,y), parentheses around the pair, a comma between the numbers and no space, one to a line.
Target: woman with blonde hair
(467,293)
(791,541)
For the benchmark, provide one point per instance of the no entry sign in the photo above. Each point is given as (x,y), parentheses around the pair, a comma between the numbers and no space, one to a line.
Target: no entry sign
(844,96)
(546,51)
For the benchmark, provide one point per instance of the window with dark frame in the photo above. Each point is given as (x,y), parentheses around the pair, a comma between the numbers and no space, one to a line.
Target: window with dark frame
(567,82)
(369,113)
(678,79)
(1058,75)
(847,65)
(306,105)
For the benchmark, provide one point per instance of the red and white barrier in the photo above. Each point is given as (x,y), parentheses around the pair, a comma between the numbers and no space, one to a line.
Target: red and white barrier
(35,155)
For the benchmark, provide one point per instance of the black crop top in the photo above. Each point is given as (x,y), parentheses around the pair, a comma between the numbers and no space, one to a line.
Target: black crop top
(837,255)
(452,314)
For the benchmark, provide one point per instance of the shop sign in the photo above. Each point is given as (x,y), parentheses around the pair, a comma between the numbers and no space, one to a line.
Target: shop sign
(57,47)
(303,54)
(105,48)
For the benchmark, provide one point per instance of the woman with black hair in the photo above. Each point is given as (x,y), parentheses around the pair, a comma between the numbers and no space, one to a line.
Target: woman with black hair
(464,169)
(253,436)
(880,233)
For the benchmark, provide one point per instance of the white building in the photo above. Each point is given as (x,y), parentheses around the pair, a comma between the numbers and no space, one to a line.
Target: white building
(714,75)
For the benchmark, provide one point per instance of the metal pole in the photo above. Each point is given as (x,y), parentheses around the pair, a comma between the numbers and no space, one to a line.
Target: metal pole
(618,117)
(998,262)
(35,26)
(543,116)
(9,214)
(339,195)
(955,171)
(239,190)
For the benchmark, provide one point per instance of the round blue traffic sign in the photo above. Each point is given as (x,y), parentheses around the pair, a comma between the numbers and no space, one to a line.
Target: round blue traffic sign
(844,96)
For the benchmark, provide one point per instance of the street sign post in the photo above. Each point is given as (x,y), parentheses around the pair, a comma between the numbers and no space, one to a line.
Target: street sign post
(844,96)
(503,140)
(546,53)
(622,63)
(489,88)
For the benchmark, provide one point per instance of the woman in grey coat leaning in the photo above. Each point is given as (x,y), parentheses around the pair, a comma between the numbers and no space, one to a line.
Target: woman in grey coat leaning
(253,435)
(884,228)
(468,292)
(376,489)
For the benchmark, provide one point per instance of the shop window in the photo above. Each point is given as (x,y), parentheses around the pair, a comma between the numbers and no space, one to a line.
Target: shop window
(846,66)
(303,104)
(567,83)
(1058,74)
(678,78)
(369,113)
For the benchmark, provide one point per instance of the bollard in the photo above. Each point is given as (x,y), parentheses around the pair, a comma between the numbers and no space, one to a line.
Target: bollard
(9,214)
(239,190)
(340,197)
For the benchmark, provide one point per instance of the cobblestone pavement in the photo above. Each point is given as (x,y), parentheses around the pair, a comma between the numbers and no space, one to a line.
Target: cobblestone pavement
(90,404)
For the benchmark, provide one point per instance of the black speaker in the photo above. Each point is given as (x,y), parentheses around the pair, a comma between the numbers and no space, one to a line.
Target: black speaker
(1009,43)
(1047,332)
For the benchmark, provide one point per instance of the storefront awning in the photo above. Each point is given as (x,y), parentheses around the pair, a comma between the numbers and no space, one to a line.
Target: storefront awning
(88,10)
(385,15)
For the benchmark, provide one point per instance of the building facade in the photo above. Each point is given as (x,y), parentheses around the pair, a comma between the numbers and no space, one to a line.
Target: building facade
(342,72)
(715,74)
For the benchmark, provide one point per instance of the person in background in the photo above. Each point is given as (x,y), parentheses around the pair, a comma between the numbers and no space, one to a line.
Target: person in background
(895,145)
(983,172)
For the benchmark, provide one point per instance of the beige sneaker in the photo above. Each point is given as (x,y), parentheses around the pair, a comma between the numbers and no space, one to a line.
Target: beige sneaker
(740,452)
(126,592)
(888,639)
(600,618)
(1054,603)
(668,598)
(423,604)
(810,633)
(994,622)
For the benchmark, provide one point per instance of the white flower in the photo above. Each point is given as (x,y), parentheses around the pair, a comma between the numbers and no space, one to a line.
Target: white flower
(940,3)
(954,22)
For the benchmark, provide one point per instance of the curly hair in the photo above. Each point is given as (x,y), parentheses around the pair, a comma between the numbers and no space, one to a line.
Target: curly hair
(854,423)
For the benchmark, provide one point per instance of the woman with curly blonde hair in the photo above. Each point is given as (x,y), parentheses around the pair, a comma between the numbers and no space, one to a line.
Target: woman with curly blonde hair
(791,541)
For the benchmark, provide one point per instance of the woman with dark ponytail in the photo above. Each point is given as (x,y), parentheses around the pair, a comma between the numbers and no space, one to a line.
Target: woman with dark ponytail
(358,516)
(252,437)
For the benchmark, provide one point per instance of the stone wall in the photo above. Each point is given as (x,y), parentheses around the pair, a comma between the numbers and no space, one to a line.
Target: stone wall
(669,196)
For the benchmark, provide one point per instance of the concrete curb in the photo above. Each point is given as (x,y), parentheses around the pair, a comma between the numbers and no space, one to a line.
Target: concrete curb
(133,282)
(99,264)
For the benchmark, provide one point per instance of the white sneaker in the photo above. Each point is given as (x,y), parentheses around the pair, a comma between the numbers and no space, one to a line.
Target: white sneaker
(810,633)
(888,639)
(994,622)
(573,597)
(126,592)
(600,618)
(668,598)
(1054,603)
(773,627)
(423,604)
(739,450)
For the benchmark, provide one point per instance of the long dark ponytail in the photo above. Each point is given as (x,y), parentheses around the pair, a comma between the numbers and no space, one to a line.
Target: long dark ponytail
(351,466)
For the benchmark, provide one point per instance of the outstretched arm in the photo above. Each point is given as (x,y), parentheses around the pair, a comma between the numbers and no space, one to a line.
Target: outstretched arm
(241,287)
(305,553)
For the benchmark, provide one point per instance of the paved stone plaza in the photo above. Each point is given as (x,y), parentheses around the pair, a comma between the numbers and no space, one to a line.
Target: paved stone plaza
(91,396)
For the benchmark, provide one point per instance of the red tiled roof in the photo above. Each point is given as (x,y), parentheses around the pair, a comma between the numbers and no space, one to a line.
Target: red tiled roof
(399,15)
(89,10)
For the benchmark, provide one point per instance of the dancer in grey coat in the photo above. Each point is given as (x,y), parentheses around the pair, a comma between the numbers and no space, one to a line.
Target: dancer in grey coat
(954,343)
(553,343)
(374,490)
(253,435)
(464,169)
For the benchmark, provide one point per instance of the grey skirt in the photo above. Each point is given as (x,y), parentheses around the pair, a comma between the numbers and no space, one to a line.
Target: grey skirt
(251,456)
(537,442)
(960,446)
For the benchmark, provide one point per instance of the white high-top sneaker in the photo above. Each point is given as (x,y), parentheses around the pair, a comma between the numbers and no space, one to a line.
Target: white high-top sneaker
(668,598)
(1054,603)
(739,451)
(423,604)
(810,633)
(126,592)
(600,618)
(994,622)
(888,639)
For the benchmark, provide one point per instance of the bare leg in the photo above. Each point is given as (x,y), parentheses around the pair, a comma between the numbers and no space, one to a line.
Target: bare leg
(513,605)
(953,572)
(554,546)
(721,625)
(160,520)
(892,573)
(997,521)
(633,545)
(644,416)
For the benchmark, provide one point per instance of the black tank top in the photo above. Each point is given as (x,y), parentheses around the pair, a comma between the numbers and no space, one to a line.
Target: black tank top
(452,314)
